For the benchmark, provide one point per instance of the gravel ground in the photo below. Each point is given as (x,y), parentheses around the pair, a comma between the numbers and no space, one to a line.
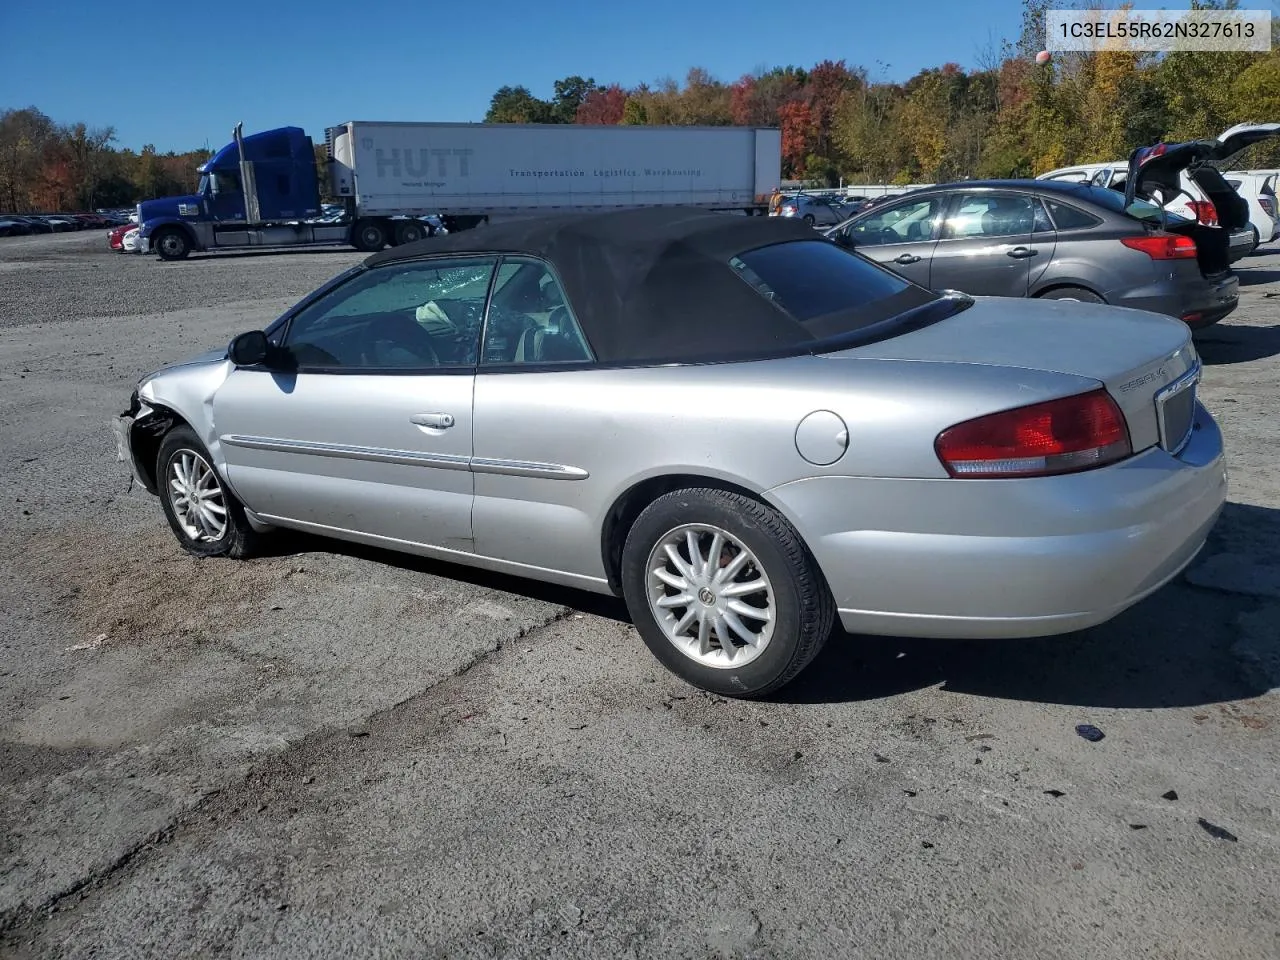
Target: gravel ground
(333,751)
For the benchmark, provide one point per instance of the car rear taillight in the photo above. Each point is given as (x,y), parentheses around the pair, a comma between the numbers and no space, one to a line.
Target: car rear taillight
(1204,211)
(1060,436)
(1268,205)
(1163,246)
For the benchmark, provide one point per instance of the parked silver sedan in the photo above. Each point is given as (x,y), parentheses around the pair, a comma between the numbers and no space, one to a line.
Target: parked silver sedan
(742,428)
(814,210)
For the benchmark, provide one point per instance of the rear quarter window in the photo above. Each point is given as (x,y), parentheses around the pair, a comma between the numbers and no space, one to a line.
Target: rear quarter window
(829,290)
(809,279)
(1067,217)
(1142,210)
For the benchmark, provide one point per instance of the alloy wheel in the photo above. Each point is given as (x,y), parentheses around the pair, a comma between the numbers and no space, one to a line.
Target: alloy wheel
(710,596)
(197,498)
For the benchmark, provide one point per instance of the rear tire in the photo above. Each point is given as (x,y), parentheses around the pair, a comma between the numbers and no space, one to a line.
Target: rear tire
(1072,293)
(410,231)
(776,594)
(203,514)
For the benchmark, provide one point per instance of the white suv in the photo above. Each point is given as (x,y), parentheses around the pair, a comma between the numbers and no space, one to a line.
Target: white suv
(1258,187)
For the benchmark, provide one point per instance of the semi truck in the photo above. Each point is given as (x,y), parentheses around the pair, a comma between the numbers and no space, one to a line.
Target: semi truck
(263,190)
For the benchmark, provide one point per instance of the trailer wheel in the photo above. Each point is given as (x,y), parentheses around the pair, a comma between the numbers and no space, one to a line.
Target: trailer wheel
(171,243)
(369,236)
(410,231)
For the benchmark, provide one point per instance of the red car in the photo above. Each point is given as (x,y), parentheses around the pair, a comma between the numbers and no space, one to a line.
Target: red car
(115,237)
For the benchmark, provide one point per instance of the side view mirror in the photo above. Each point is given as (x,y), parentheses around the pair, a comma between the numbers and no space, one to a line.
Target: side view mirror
(844,238)
(249,349)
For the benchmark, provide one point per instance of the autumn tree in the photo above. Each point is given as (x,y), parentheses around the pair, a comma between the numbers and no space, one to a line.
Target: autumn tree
(1257,95)
(570,94)
(606,105)
(796,121)
(85,153)
(25,137)
(825,85)
(863,129)
(703,101)
(634,112)
(1008,117)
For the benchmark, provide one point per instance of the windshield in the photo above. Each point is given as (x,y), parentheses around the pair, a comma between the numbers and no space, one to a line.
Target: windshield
(830,291)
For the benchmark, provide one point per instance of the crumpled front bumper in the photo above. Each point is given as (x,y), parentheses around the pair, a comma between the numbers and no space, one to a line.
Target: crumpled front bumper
(122,430)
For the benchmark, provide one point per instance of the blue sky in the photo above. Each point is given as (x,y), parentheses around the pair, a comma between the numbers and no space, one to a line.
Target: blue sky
(180,74)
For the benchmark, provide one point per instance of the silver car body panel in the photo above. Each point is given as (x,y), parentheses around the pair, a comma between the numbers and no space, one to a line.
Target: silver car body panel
(526,475)
(345,449)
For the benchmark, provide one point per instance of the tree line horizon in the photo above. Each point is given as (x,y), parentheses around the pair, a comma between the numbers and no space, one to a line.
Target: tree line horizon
(1005,117)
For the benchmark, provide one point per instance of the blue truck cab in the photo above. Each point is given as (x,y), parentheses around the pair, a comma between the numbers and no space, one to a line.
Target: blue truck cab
(256,191)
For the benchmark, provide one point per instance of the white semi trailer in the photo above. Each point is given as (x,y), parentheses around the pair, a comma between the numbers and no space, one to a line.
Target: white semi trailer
(260,190)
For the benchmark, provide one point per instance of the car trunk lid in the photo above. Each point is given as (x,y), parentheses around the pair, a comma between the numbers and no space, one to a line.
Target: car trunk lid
(1136,355)
(1155,172)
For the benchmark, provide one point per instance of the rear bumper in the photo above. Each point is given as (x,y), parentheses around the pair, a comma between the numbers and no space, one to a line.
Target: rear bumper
(1196,301)
(1241,244)
(1009,558)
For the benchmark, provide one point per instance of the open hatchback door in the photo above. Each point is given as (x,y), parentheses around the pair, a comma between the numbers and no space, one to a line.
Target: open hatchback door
(1155,175)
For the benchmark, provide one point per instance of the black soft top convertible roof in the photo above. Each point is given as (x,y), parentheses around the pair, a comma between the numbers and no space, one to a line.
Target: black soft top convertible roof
(651,284)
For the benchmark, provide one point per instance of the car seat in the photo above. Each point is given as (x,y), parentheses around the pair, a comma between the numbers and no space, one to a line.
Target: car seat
(397,341)
(549,342)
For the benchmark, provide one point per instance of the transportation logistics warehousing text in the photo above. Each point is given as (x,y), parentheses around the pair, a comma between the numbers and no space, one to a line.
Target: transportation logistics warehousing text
(643,172)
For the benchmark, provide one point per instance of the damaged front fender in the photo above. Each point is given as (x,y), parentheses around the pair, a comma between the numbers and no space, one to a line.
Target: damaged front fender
(138,431)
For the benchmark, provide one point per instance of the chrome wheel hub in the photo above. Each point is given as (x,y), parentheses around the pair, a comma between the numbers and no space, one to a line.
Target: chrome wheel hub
(196,497)
(710,596)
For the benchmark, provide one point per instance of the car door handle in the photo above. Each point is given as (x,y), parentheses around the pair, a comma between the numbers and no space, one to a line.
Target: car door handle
(1020,253)
(905,258)
(439,420)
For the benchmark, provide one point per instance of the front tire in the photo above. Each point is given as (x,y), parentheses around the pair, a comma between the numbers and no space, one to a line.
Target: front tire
(368,236)
(724,592)
(170,243)
(203,514)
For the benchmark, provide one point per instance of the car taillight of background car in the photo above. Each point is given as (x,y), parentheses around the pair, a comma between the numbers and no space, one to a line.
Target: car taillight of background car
(1204,211)
(1163,246)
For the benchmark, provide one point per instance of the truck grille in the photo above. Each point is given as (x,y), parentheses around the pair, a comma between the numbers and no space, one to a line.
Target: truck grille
(1176,410)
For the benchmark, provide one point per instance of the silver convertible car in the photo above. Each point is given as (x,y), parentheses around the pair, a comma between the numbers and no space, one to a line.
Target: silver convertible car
(740,427)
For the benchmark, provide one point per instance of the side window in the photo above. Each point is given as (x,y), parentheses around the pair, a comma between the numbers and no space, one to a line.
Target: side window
(909,222)
(983,215)
(530,320)
(1102,178)
(1043,224)
(1071,218)
(420,315)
